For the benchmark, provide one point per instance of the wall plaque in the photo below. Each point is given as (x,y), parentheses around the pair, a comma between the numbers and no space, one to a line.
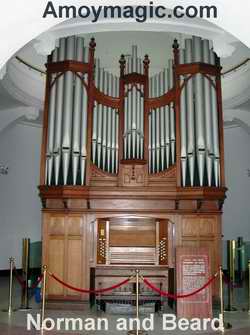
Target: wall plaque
(193,271)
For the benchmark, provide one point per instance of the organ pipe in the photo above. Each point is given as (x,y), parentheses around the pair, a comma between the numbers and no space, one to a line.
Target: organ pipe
(172,113)
(66,152)
(59,114)
(183,117)
(208,116)
(215,126)
(78,105)
(190,116)
(199,111)
(51,126)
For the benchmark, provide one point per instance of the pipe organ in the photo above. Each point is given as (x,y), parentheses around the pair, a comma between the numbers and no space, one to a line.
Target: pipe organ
(132,165)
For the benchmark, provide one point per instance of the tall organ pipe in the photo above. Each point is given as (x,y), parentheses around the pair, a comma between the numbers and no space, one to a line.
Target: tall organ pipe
(167,119)
(100,120)
(95,113)
(162,122)
(153,130)
(199,111)
(83,146)
(78,97)
(172,113)
(157,126)
(51,126)
(104,124)
(109,123)
(183,121)
(58,114)
(129,121)
(208,117)
(190,116)
(67,110)
(215,123)
(142,116)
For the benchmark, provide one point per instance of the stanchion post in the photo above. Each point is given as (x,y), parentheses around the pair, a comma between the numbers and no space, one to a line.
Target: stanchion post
(10,307)
(137,331)
(231,267)
(222,329)
(45,271)
(25,266)
(137,300)
(11,286)
(249,286)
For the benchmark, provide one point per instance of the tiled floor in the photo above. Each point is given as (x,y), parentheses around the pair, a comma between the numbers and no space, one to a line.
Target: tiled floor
(16,324)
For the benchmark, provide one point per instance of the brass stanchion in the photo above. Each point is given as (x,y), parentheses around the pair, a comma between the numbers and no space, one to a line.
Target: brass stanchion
(222,329)
(231,254)
(249,287)
(45,269)
(25,266)
(10,309)
(137,331)
(224,325)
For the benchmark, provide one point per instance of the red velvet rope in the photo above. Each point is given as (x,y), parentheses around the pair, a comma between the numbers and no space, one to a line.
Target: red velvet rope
(124,282)
(178,296)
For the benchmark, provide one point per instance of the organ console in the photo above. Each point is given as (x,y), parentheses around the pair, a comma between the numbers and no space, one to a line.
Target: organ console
(131,165)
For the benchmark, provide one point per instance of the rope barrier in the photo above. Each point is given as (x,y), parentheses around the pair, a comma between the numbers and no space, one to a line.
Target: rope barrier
(178,296)
(124,282)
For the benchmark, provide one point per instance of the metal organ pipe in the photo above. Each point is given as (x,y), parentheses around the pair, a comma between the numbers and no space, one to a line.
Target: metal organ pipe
(201,118)
(58,114)
(208,116)
(51,126)
(183,120)
(167,120)
(142,116)
(99,124)
(157,125)
(153,144)
(104,123)
(190,116)
(215,124)
(83,146)
(77,110)
(67,110)
(199,111)
(66,153)
(172,112)
(95,114)
(162,123)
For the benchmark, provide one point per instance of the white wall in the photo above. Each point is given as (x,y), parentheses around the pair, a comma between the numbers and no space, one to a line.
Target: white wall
(20,208)
(236,218)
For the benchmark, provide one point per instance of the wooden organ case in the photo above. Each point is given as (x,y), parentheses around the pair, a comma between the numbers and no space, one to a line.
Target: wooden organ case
(131,166)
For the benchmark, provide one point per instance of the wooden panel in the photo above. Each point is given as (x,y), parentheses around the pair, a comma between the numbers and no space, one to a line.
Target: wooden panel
(132,238)
(75,266)
(56,226)
(74,225)
(206,227)
(56,264)
(190,226)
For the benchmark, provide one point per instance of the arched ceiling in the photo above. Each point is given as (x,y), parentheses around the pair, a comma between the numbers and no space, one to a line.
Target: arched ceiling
(27,86)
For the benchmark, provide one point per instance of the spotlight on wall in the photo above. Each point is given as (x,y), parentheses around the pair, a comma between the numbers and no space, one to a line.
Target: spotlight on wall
(4,169)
